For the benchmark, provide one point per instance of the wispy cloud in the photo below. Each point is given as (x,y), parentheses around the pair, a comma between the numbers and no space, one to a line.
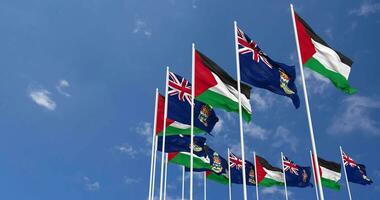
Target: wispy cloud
(366,8)
(316,83)
(141,27)
(42,98)
(145,129)
(283,137)
(194,4)
(355,115)
(91,185)
(274,191)
(256,131)
(262,100)
(62,85)
(218,127)
(127,149)
(130,180)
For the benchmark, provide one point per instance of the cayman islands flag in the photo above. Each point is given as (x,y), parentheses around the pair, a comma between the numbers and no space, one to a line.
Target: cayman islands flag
(179,105)
(236,165)
(356,173)
(177,143)
(259,70)
(295,175)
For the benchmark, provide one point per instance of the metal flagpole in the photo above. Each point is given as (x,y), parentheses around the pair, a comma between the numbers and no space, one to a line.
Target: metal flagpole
(229,175)
(153,147)
(154,166)
(192,119)
(345,173)
(283,170)
(166,174)
(314,175)
(240,113)
(164,134)
(205,186)
(256,183)
(183,182)
(307,106)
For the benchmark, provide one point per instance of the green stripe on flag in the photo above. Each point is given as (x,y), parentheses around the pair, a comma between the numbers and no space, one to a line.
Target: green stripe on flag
(267,182)
(220,101)
(330,184)
(218,178)
(177,131)
(184,160)
(337,79)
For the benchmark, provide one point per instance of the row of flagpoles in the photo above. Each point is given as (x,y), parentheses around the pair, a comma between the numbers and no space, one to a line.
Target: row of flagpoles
(287,92)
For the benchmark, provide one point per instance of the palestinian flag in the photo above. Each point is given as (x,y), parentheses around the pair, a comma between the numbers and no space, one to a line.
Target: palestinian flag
(219,178)
(330,173)
(317,55)
(217,88)
(172,127)
(183,158)
(267,175)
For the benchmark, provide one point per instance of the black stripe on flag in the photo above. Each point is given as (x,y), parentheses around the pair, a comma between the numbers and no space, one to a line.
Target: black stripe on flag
(266,164)
(329,165)
(223,75)
(315,37)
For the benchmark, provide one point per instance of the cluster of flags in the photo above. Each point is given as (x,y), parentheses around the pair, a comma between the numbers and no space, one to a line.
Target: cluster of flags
(187,110)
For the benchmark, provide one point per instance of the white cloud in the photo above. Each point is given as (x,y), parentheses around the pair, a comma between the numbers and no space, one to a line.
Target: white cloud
(329,33)
(256,131)
(145,129)
(316,83)
(283,137)
(41,97)
(274,191)
(366,8)
(194,4)
(129,180)
(62,84)
(218,127)
(262,101)
(141,27)
(91,185)
(355,115)
(127,149)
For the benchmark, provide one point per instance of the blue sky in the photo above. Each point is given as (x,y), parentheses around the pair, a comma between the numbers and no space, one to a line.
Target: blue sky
(77,88)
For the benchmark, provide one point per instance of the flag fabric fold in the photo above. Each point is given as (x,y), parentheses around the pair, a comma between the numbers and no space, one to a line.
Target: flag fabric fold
(356,173)
(318,56)
(259,70)
(216,87)
(295,175)
(236,165)
(180,143)
(179,105)
(330,173)
(267,175)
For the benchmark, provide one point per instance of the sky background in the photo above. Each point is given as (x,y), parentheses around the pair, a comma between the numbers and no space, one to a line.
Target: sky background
(77,85)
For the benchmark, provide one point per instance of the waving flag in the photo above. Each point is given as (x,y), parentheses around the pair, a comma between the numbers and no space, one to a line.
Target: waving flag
(296,176)
(172,127)
(329,173)
(179,105)
(177,143)
(236,165)
(356,173)
(267,175)
(259,70)
(318,56)
(217,88)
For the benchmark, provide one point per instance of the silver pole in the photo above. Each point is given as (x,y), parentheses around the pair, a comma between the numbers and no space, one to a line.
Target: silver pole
(192,120)
(314,175)
(283,170)
(153,147)
(345,173)
(257,184)
(314,147)
(240,114)
(229,176)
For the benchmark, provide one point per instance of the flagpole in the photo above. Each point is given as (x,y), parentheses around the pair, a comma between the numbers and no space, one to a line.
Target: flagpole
(166,174)
(205,186)
(283,170)
(154,166)
(153,143)
(164,134)
(314,175)
(192,119)
(345,173)
(257,184)
(240,113)
(307,106)
(183,182)
(229,175)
